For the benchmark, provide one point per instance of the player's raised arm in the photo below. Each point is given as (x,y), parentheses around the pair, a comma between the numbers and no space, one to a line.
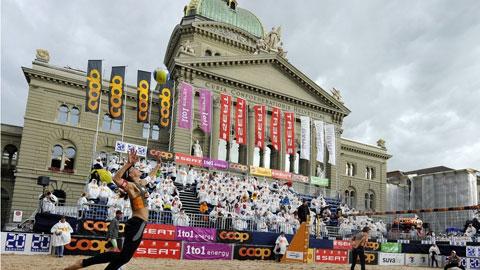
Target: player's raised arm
(117,179)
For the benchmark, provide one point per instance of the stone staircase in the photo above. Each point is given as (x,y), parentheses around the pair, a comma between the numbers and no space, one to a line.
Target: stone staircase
(189,200)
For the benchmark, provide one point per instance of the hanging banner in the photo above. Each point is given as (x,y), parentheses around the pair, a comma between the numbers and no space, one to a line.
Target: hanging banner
(330,139)
(215,164)
(323,182)
(123,147)
(305,137)
(225,109)
(319,127)
(185,108)
(275,128)
(143,96)
(94,85)
(289,133)
(205,109)
(115,104)
(278,174)
(259,114)
(165,98)
(241,121)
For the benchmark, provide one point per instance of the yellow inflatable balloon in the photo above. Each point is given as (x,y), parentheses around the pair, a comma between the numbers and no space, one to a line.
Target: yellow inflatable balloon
(161,76)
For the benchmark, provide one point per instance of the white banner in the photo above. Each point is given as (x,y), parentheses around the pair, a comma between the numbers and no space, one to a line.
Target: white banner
(417,259)
(123,147)
(305,133)
(319,127)
(330,139)
(25,243)
(391,258)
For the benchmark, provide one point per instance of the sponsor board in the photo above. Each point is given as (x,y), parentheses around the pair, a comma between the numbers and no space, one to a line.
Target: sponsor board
(25,243)
(85,246)
(331,256)
(159,249)
(159,232)
(282,175)
(391,247)
(416,259)
(97,227)
(391,258)
(224,236)
(311,255)
(300,178)
(372,246)
(322,182)
(194,234)
(188,160)
(238,167)
(473,251)
(294,255)
(123,147)
(342,244)
(371,258)
(206,251)
(250,252)
(215,164)
(472,263)
(259,171)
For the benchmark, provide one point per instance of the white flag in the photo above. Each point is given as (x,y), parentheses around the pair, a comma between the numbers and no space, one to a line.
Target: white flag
(320,140)
(305,142)
(330,139)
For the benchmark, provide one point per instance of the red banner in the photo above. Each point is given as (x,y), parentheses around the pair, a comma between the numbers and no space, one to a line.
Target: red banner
(159,249)
(342,244)
(159,232)
(331,256)
(225,109)
(241,121)
(289,133)
(259,126)
(275,128)
(300,178)
(188,160)
(281,175)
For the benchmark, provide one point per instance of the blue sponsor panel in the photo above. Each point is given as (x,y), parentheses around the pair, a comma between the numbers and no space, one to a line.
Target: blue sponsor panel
(15,241)
(40,243)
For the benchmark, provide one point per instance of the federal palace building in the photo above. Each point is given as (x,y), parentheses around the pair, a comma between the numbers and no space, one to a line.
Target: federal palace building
(217,46)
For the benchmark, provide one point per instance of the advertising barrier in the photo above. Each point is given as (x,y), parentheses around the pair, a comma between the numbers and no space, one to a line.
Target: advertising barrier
(342,244)
(371,258)
(123,147)
(391,258)
(206,251)
(250,252)
(195,234)
(473,251)
(238,167)
(311,255)
(331,256)
(282,175)
(88,246)
(25,243)
(259,171)
(300,178)
(391,247)
(472,263)
(372,246)
(322,182)
(215,164)
(159,249)
(224,236)
(159,232)
(417,259)
(188,160)
(98,227)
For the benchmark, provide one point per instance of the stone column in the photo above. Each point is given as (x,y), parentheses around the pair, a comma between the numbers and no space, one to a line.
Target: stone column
(250,134)
(215,127)
(292,163)
(262,156)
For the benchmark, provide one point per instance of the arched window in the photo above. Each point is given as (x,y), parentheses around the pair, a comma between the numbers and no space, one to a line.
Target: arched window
(370,200)
(75,116)
(107,122)
(70,154)
(287,162)
(57,155)
(234,148)
(208,53)
(62,116)
(116,126)
(10,155)
(350,169)
(350,198)
(222,150)
(155,132)
(256,157)
(146,131)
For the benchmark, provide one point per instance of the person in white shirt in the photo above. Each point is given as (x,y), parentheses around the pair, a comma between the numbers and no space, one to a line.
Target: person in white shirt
(49,202)
(181,219)
(104,193)
(82,204)
(61,236)
(93,190)
(434,251)
(281,245)
(182,177)
(470,231)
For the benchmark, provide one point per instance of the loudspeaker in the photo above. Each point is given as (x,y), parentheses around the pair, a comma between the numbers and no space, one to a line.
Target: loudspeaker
(43,181)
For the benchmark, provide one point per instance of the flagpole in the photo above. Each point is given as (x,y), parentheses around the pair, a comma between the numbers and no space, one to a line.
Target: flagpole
(174,89)
(192,115)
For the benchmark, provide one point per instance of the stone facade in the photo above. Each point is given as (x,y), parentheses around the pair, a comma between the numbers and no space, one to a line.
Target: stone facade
(204,53)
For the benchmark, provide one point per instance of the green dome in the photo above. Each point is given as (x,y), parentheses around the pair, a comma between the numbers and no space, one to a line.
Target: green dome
(221,11)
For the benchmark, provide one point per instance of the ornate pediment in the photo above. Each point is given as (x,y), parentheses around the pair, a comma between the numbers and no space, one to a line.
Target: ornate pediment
(227,31)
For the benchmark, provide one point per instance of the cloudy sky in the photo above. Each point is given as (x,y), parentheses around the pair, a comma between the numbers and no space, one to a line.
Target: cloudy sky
(408,70)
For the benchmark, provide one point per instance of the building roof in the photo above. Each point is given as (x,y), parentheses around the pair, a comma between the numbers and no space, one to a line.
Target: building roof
(221,11)
(430,170)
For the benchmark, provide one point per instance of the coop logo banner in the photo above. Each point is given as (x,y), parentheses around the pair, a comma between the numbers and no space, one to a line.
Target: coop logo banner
(165,99)
(40,243)
(224,236)
(94,85)
(159,249)
(159,232)
(206,251)
(371,258)
(249,252)
(194,234)
(15,241)
(85,246)
(143,96)
(97,227)
(115,98)
(373,246)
